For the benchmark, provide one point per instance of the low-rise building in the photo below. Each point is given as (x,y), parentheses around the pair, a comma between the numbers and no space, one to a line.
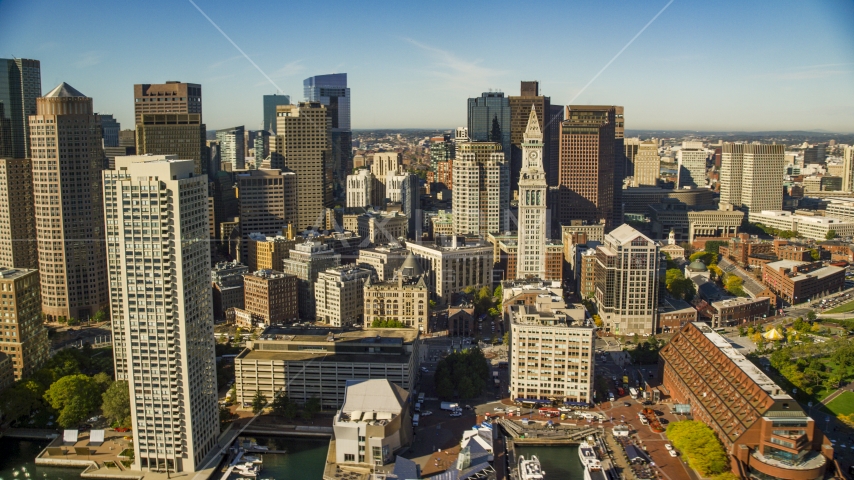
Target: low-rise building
(763,430)
(551,351)
(692,223)
(306,261)
(461,320)
(796,282)
(815,228)
(270,297)
(383,260)
(339,295)
(451,267)
(372,424)
(316,362)
(405,298)
(674,313)
(267,253)
(735,311)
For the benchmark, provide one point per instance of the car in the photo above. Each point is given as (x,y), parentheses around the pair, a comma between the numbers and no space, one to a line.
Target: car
(424,369)
(498,409)
(426,413)
(668,446)
(627,404)
(673,453)
(457,413)
(614,378)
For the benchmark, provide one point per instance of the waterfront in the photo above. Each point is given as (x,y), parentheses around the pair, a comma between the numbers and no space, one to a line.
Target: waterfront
(19,454)
(559,462)
(306,458)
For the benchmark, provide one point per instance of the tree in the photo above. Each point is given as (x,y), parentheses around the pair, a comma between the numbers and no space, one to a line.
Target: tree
(74,397)
(432,304)
(19,401)
(811,316)
(713,246)
(703,256)
(99,316)
(733,284)
(597,320)
(831,234)
(445,388)
(814,254)
(506,339)
(115,403)
(312,406)
(390,323)
(259,401)
(699,446)
(498,293)
(225,415)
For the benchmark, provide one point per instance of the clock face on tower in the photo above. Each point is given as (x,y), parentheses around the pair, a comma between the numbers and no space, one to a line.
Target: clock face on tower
(532,155)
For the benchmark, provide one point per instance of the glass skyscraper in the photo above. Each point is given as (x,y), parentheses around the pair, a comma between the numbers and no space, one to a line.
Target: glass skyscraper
(270,104)
(331,90)
(489,119)
(20,86)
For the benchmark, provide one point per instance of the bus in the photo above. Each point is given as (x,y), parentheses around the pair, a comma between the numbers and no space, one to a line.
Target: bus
(549,412)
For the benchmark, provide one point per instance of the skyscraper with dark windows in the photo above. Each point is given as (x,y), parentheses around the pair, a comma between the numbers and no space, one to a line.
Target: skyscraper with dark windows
(110,129)
(168,120)
(520,110)
(331,91)
(20,86)
(270,104)
(489,119)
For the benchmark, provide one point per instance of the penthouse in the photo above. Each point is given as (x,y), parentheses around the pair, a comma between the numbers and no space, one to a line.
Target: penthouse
(316,362)
(762,428)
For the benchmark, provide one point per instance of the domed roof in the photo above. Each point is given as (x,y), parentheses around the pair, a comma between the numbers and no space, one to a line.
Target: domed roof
(410,266)
(698,266)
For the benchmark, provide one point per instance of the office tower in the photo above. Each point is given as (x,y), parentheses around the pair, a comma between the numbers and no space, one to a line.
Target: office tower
(815,154)
(223,197)
(619,165)
(848,169)
(383,261)
(306,261)
(20,86)
(24,337)
(546,331)
(627,273)
(268,203)
(481,199)
(68,205)
(270,297)
(552,129)
(339,295)
(394,185)
(381,227)
(461,134)
(520,112)
(231,149)
(630,149)
(751,176)
(127,138)
(489,119)
(410,199)
(169,97)
(644,161)
(586,180)
(110,128)
(181,134)
(405,298)
(260,146)
(161,252)
(270,104)
(764,430)
(18,247)
(691,159)
(302,146)
(450,267)
(214,158)
(360,189)
(385,163)
(331,91)
(442,148)
(531,250)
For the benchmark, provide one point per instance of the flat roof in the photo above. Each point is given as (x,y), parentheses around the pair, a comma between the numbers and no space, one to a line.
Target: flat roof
(321,334)
(322,356)
(746,366)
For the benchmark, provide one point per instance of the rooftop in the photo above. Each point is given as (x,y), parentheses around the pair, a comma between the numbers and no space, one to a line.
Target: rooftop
(752,371)
(64,90)
(379,397)
(13,273)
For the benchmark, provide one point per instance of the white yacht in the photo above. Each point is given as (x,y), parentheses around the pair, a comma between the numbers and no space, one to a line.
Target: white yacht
(530,469)
(587,453)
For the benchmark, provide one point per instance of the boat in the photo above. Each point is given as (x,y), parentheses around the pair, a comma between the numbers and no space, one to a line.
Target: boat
(530,469)
(587,454)
(247,470)
(253,459)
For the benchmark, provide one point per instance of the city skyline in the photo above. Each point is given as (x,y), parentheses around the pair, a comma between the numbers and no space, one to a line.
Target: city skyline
(684,84)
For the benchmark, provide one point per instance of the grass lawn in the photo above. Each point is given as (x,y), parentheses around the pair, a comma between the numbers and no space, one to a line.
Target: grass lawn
(844,308)
(842,405)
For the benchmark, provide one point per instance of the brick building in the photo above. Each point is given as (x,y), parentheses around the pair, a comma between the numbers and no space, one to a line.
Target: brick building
(796,282)
(271,297)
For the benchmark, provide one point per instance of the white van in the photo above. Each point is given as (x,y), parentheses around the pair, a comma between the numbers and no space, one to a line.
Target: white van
(415,419)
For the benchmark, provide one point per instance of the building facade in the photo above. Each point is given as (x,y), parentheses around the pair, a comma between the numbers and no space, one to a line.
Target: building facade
(481,201)
(405,298)
(169,97)
(533,213)
(751,176)
(762,428)
(339,295)
(645,161)
(383,260)
(18,247)
(23,336)
(270,104)
(452,268)
(361,189)
(489,119)
(270,297)
(691,161)
(268,203)
(181,134)
(161,309)
(306,261)
(232,147)
(332,92)
(796,282)
(627,273)
(381,227)
(20,86)
(520,112)
(68,204)
(268,253)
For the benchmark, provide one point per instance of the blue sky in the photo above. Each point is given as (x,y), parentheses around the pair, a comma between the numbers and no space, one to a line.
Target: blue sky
(723,65)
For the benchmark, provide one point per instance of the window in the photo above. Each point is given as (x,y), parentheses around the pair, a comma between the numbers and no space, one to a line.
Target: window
(349,457)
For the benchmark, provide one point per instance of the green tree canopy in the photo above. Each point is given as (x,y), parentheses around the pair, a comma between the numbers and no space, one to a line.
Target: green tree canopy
(74,397)
(390,323)
(699,446)
(259,401)
(115,403)
(831,234)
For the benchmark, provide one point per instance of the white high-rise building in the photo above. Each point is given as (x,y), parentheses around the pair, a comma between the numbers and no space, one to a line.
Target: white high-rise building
(394,185)
(339,295)
(848,170)
(692,165)
(360,187)
(481,196)
(752,176)
(158,259)
(531,251)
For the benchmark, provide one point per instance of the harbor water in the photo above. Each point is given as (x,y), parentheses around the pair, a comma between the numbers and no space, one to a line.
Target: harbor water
(17,455)
(305,458)
(559,462)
